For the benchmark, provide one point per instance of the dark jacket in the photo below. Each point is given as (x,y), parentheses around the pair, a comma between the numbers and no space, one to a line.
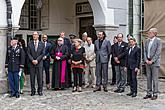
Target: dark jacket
(36,55)
(133,58)
(15,59)
(120,52)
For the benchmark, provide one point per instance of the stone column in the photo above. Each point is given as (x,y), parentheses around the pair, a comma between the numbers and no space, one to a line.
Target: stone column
(3,46)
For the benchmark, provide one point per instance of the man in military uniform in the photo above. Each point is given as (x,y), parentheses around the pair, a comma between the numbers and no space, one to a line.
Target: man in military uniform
(14,62)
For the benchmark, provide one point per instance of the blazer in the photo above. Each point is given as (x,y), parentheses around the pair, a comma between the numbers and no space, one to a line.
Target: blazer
(133,58)
(15,59)
(120,52)
(36,55)
(103,53)
(90,54)
(47,51)
(155,52)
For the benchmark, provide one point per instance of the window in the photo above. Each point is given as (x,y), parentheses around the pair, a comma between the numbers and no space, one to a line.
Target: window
(24,19)
(30,16)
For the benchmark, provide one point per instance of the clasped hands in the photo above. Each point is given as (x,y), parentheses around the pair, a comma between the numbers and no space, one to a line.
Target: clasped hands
(35,62)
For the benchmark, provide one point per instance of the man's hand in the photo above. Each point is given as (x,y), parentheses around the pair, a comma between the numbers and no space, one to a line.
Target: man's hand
(125,69)
(136,69)
(44,57)
(35,62)
(116,59)
(58,58)
(149,62)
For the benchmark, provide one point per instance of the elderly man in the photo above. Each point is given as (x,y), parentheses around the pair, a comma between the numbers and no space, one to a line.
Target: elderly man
(152,51)
(90,63)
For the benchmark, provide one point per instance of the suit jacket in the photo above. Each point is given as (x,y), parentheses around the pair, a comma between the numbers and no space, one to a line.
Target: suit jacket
(47,51)
(155,51)
(120,53)
(133,58)
(36,55)
(90,54)
(103,53)
(15,59)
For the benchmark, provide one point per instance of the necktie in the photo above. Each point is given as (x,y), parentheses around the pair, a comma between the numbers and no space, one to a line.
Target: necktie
(130,50)
(35,45)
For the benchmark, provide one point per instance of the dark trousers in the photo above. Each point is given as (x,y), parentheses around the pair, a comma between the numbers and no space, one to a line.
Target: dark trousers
(13,78)
(77,73)
(133,80)
(33,72)
(128,77)
(113,73)
(69,74)
(46,66)
(101,73)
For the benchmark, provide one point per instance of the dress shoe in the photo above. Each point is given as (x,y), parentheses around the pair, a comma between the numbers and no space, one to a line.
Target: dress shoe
(74,89)
(17,96)
(12,95)
(105,89)
(97,89)
(40,94)
(79,89)
(127,84)
(129,94)
(117,90)
(154,97)
(121,90)
(134,95)
(147,96)
(48,86)
(33,93)
(113,83)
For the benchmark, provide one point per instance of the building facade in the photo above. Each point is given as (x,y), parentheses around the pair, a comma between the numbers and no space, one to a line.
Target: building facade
(72,16)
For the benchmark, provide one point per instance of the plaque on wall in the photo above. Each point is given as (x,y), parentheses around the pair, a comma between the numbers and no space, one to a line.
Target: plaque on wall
(83,8)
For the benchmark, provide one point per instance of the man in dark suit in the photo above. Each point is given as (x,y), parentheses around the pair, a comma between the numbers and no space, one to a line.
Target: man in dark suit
(133,65)
(15,60)
(36,53)
(103,51)
(113,63)
(119,54)
(46,59)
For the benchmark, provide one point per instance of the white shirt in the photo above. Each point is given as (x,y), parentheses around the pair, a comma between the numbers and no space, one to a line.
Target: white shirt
(149,46)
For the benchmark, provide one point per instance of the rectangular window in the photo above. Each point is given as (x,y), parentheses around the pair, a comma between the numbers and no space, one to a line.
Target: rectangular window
(30,16)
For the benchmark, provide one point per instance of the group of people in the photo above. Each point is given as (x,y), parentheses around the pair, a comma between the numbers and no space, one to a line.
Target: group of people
(85,64)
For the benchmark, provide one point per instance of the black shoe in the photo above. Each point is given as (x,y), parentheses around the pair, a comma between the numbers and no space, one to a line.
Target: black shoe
(129,94)
(121,90)
(105,89)
(147,96)
(113,83)
(117,90)
(74,89)
(154,97)
(13,95)
(127,84)
(17,96)
(97,89)
(40,94)
(33,93)
(134,95)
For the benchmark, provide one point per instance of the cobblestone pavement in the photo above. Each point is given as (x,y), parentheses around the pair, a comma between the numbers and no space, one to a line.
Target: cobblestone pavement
(86,100)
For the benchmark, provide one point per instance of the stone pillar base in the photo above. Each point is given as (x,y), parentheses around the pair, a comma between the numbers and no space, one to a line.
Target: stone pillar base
(4,86)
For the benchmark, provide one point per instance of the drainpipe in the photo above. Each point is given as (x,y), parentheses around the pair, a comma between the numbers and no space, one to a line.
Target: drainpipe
(9,20)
